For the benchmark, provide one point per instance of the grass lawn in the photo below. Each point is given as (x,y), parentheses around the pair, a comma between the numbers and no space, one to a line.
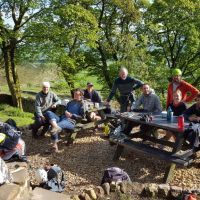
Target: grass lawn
(21,118)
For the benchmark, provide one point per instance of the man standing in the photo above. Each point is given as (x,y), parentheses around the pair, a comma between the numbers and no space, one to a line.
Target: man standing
(45,101)
(125,84)
(188,91)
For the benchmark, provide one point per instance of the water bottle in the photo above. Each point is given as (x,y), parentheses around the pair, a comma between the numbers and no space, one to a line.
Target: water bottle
(169,111)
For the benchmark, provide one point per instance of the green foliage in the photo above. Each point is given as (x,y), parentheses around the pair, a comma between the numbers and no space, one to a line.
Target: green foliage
(21,118)
(173,31)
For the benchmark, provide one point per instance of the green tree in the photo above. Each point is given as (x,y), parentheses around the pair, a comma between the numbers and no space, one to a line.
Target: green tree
(118,40)
(15,17)
(173,30)
(63,34)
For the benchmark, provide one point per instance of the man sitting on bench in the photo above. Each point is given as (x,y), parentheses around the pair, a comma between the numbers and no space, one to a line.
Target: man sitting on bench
(73,111)
(150,104)
(45,100)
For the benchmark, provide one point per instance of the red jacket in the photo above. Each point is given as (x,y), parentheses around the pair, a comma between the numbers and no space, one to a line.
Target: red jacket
(188,92)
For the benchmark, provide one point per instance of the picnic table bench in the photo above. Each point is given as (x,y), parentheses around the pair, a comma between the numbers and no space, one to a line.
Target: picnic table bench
(180,154)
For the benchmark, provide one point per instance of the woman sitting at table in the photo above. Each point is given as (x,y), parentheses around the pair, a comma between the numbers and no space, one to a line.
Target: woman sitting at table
(178,107)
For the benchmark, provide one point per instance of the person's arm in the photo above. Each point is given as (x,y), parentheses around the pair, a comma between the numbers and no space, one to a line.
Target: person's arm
(56,100)
(113,91)
(192,90)
(189,112)
(38,110)
(137,83)
(158,107)
(98,97)
(137,103)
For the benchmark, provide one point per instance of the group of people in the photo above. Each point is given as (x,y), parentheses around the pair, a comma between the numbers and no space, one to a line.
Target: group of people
(179,92)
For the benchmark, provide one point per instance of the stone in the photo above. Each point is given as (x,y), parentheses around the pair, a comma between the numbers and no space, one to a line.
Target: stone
(9,191)
(42,194)
(106,187)
(84,196)
(15,165)
(113,186)
(123,187)
(136,187)
(163,190)
(175,191)
(150,190)
(20,176)
(99,191)
(75,197)
(91,193)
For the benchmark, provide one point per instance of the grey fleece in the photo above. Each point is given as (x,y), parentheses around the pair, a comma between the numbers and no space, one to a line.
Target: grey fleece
(44,101)
(150,102)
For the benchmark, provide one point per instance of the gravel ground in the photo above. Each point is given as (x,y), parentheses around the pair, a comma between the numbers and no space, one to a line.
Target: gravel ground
(85,161)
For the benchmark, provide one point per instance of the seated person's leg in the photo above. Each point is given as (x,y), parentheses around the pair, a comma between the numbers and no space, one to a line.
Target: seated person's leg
(55,139)
(148,130)
(53,120)
(128,127)
(36,125)
(69,126)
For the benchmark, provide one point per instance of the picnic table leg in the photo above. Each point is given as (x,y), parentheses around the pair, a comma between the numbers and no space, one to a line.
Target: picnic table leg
(118,152)
(170,169)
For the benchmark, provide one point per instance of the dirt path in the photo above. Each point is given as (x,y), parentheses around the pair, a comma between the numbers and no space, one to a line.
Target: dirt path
(85,161)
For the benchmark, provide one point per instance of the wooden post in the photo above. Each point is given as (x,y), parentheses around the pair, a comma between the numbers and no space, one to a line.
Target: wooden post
(118,152)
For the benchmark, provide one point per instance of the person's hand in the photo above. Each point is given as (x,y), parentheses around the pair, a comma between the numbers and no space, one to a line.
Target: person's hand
(53,106)
(43,118)
(194,118)
(68,114)
(106,103)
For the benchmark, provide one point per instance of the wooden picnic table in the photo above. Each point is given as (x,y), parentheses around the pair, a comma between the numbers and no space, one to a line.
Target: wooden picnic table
(177,156)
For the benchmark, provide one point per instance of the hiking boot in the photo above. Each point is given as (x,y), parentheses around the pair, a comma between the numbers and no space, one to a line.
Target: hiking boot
(106,187)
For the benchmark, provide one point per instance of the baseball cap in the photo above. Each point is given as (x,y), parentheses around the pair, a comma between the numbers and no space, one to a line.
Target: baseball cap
(89,84)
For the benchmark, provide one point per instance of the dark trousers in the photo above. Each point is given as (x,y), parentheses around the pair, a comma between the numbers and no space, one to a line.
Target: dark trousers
(38,124)
(125,101)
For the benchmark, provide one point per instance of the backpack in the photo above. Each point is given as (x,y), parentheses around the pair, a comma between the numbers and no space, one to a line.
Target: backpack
(12,136)
(192,134)
(12,147)
(114,174)
(56,179)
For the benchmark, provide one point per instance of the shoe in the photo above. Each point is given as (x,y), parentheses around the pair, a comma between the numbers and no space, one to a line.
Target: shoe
(55,130)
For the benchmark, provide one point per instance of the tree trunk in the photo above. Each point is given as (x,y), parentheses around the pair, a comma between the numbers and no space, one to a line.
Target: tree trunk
(11,75)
